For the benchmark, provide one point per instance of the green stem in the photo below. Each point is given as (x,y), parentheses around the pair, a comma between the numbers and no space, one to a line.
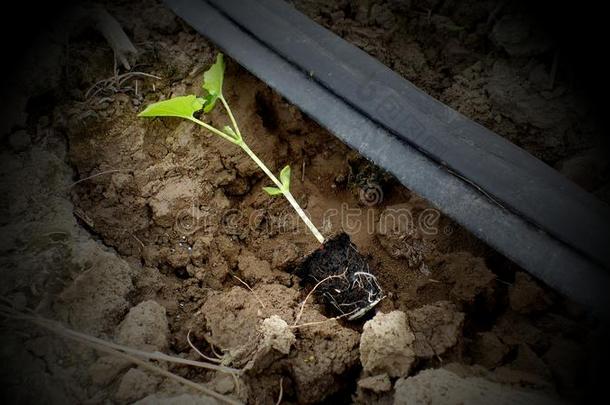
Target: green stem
(286,192)
(215,131)
(231,117)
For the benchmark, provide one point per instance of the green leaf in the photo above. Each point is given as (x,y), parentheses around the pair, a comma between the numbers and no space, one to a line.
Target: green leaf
(212,82)
(229,131)
(272,190)
(183,106)
(285,177)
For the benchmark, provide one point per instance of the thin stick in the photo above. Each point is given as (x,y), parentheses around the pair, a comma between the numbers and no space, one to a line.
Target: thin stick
(251,290)
(59,328)
(113,349)
(118,79)
(165,373)
(298,318)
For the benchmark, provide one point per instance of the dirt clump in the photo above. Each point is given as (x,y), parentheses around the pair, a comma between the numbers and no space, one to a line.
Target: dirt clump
(325,354)
(97,297)
(386,345)
(526,296)
(277,335)
(106,369)
(526,370)
(467,277)
(230,322)
(135,384)
(254,270)
(435,386)
(488,350)
(145,327)
(377,383)
(285,256)
(261,340)
(515,329)
(437,328)
(377,389)
(408,231)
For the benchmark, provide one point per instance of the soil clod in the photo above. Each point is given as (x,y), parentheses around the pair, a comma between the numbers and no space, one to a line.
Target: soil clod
(350,288)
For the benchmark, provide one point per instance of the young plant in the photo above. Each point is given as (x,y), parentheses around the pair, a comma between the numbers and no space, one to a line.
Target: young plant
(186,106)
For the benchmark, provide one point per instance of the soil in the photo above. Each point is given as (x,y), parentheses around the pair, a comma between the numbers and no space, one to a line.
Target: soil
(145,232)
(341,276)
(490,60)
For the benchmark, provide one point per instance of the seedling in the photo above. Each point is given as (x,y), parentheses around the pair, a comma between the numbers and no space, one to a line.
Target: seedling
(186,106)
(340,271)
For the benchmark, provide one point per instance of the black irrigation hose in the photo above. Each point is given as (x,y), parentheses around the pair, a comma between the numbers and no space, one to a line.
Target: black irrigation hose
(502,194)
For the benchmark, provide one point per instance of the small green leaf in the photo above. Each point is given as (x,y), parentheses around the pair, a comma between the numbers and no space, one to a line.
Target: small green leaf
(183,106)
(285,177)
(212,82)
(272,190)
(229,131)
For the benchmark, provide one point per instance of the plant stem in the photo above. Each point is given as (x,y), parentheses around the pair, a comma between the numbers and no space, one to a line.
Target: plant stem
(286,192)
(215,131)
(231,117)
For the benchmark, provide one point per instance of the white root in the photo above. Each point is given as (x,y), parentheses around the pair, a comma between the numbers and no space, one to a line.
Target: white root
(281,394)
(213,360)
(298,317)
(251,290)
(346,315)
(216,360)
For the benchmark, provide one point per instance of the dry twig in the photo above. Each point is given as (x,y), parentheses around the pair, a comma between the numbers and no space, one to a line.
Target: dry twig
(115,80)
(133,355)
